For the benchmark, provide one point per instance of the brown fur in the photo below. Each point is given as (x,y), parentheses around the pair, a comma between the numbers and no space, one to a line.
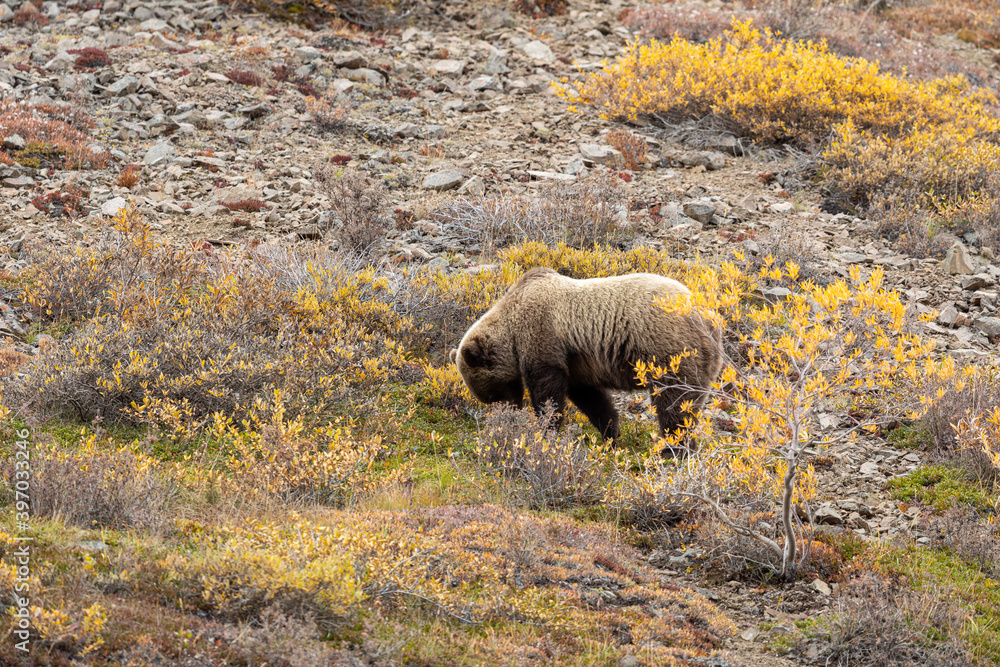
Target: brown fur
(578,339)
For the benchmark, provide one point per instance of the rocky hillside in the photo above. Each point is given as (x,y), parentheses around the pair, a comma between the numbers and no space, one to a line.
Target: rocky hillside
(226,127)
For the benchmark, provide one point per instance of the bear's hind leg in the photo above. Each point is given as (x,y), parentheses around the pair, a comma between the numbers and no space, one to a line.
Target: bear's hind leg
(597,404)
(670,413)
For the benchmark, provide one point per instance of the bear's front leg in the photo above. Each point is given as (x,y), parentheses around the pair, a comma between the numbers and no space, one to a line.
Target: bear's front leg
(547,383)
(599,407)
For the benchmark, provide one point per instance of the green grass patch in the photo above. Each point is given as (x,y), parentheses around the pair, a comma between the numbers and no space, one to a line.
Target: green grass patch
(941,487)
(910,436)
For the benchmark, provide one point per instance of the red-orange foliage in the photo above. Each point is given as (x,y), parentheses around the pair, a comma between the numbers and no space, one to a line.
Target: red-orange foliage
(54,136)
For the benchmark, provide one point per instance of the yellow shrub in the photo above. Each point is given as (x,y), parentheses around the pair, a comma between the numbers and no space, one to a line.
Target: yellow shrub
(444,387)
(945,162)
(888,130)
(271,458)
(772,90)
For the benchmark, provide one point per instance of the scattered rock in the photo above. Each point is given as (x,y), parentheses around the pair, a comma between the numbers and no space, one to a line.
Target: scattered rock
(13,142)
(703,212)
(599,154)
(349,60)
(447,67)
(475,186)
(113,206)
(821,587)
(159,154)
(123,86)
(19,182)
(444,180)
(958,260)
(828,516)
(538,50)
(989,327)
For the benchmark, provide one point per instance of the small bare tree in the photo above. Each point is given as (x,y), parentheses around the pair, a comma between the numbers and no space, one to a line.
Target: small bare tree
(800,358)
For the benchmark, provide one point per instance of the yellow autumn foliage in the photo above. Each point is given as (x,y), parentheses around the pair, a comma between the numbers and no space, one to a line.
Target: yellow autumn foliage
(937,136)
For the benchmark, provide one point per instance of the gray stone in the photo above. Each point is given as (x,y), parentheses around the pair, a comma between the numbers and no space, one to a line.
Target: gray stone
(973,283)
(484,83)
(61,62)
(703,212)
(599,154)
(154,25)
(309,53)
(958,261)
(365,75)
(777,292)
(444,180)
(869,468)
(984,298)
(435,132)
(989,327)
(349,60)
(124,86)
(948,315)
(782,207)
(407,130)
(256,110)
(113,206)
(828,516)
(551,176)
(162,43)
(13,142)
(539,51)
(852,258)
(821,587)
(19,182)
(447,67)
(160,153)
(494,18)
(496,63)
(474,186)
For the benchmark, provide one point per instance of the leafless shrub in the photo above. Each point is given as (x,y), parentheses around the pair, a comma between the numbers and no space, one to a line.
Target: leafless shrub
(793,19)
(980,395)
(881,623)
(278,639)
(739,555)
(649,501)
(664,21)
(579,214)
(546,467)
(964,531)
(99,485)
(359,206)
(781,245)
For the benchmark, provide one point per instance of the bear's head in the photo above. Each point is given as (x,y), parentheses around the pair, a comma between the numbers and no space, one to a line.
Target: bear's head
(490,370)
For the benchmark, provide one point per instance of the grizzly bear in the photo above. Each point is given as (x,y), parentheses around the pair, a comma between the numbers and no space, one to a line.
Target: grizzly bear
(579,339)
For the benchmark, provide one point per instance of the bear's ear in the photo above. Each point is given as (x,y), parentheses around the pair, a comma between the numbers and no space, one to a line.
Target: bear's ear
(453,355)
(474,353)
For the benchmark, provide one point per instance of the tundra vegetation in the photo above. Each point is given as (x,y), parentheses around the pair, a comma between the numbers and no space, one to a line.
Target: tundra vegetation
(259,454)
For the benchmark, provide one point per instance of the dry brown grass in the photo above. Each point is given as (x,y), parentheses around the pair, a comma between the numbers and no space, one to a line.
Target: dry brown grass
(883,623)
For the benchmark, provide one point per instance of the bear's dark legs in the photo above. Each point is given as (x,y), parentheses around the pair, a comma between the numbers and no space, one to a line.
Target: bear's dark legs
(596,403)
(546,384)
(670,414)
